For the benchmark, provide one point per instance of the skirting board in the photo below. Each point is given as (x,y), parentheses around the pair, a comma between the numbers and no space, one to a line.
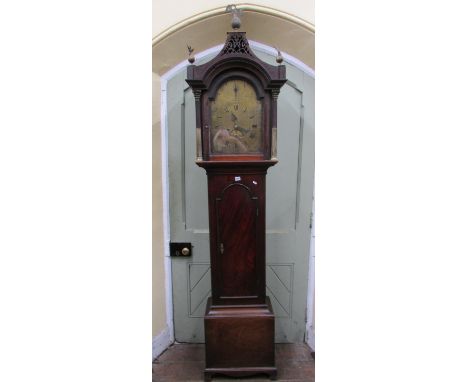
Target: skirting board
(310,340)
(161,342)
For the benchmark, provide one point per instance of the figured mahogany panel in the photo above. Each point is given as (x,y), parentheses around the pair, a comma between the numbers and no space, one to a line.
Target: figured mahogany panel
(236,216)
(237,234)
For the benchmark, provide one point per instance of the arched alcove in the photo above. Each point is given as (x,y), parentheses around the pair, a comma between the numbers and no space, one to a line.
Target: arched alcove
(292,35)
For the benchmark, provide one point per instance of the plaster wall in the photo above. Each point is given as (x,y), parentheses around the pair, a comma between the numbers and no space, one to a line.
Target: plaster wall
(169,13)
(159,301)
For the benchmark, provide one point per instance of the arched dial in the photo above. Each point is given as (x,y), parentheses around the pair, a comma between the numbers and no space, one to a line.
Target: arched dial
(236,119)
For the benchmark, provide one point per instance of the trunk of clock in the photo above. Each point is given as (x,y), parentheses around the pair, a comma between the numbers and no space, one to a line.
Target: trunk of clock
(239,320)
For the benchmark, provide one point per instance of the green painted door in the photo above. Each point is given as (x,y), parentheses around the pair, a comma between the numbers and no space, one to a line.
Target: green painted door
(289,195)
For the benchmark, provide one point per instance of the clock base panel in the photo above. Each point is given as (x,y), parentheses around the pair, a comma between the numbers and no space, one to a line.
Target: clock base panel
(239,340)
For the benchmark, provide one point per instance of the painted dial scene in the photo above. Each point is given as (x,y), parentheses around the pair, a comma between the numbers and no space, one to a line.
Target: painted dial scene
(236,117)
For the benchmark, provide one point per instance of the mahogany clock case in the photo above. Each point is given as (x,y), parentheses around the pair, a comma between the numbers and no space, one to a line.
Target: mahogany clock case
(239,320)
(236,144)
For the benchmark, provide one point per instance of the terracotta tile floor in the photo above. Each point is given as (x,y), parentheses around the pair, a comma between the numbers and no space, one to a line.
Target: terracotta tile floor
(185,362)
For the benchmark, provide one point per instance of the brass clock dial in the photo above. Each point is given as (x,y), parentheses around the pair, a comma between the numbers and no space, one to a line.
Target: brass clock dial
(236,119)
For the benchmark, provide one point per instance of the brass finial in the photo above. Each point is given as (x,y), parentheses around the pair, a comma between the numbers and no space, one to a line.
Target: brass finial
(236,21)
(279,57)
(191,58)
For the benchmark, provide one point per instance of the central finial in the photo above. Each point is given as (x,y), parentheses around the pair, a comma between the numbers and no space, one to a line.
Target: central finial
(236,21)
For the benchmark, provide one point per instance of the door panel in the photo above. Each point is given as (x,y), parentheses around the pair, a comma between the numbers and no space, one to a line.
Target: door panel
(289,190)
(199,288)
(238,270)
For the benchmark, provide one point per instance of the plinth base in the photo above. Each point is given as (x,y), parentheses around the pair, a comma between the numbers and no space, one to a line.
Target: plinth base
(240,340)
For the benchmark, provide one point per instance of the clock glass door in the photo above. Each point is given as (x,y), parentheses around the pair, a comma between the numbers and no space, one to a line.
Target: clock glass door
(236,117)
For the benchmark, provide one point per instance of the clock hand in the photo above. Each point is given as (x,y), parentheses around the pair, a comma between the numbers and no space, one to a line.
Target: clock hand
(241,129)
(236,126)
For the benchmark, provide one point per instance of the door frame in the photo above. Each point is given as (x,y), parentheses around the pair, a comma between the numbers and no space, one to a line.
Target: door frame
(165,78)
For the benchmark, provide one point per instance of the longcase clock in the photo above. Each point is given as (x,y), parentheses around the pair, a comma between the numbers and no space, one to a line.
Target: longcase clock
(236,104)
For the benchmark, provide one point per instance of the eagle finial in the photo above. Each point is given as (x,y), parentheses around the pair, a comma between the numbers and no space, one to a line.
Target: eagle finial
(236,21)
(191,58)
(279,57)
